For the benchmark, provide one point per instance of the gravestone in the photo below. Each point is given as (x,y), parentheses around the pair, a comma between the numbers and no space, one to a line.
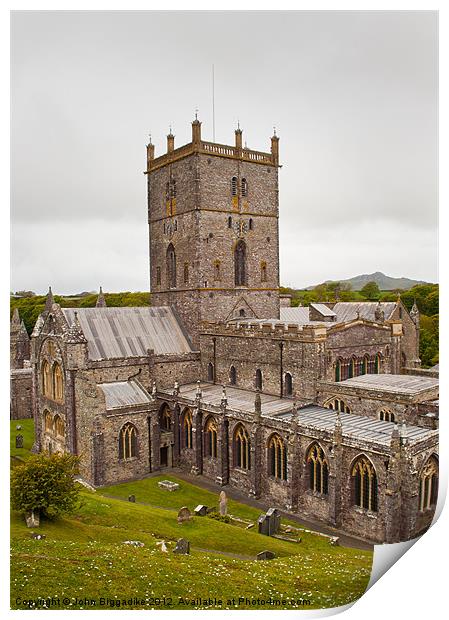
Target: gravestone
(167,485)
(182,546)
(265,555)
(19,441)
(163,546)
(134,543)
(274,521)
(334,540)
(131,498)
(37,536)
(18,427)
(184,515)
(201,510)
(32,518)
(263,525)
(223,501)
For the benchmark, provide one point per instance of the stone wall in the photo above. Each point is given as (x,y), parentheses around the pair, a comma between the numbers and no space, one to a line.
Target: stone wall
(21,394)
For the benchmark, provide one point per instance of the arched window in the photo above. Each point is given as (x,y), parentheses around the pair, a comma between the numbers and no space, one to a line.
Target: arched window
(229,222)
(240,263)
(352,362)
(318,469)
(211,436)
(337,370)
(244,187)
(258,381)
(232,376)
(277,457)
(377,364)
(187,428)
(428,485)
(171,266)
(59,426)
(263,271)
(217,274)
(387,416)
(48,421)
(58,382)
(364,484)
(46,379)
(250,223)
(186,273)
(127,445)
(165,418)
(288,384)
(338,405)
(242,312)
(242,448)
(234,186)
(210,371)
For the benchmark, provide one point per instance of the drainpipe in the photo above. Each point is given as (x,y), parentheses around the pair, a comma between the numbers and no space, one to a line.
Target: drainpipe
(214,340)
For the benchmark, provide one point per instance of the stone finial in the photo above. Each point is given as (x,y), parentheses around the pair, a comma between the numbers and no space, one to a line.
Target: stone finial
(49,301)
(224,398)
(101,301)
(238,137)
(15,321)
(176,388)
(74,334)
(258,403)
(196,129)
(153,389)
(338,428)
(199,393)
(403,433)
(414,313)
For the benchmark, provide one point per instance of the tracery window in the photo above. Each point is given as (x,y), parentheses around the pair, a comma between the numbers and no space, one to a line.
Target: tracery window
(59,426)
(356,366)
(58,382)
(46,379)
(318,470)
(211,441)
(188,428)
(242,448)
(364,484)
(48,421)
(337,404)
(387,416)
(428,485)
(277,457)
(171,266)
(240,263)
(165,418)
(127,447)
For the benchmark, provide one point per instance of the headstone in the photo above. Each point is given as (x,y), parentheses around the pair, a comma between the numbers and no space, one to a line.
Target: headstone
(223,501)
(182,546)
(201,510)
(32,518)
(18,427)
(168,485)
(184,515)
(134,543)
(19,441)
(265,555)
(263,525)
(274,519)
(37,536)
(335,541)
(163,546)
(131,498)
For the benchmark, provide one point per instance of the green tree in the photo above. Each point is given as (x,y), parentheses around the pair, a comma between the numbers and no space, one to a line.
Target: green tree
(371,291)
(45,484)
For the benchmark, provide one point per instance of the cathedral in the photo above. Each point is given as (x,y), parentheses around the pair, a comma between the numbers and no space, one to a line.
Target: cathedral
(322,411)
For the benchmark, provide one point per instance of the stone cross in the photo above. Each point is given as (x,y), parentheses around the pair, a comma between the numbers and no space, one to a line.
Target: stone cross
(223,500)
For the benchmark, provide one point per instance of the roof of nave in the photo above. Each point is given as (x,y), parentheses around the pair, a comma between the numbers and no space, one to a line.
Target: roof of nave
(399,384)
(130,332)
(120,394)
(345,311)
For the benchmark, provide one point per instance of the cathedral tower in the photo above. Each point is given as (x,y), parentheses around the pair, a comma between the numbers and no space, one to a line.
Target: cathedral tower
(214,243)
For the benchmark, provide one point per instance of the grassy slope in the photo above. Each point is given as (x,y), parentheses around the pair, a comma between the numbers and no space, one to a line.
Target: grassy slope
(28,437)
(84,556)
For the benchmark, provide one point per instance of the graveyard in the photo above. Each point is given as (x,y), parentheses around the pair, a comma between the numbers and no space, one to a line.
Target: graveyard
(141,546)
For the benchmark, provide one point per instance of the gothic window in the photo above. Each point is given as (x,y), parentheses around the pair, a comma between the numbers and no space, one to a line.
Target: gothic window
(211,438)
(240,263)
(258,380)
(58,383)
(250,223)
(318,470)
(277,457)
(127,446)
(428,485)
(263,271)
(377,364)
(59,426)
(364,484)
(210,371)
(158,276)
(338,370)
(387,416)
(338,405)
(242,448)
(48,421)
(171,266)
(165,418)
(186,273)
(217,275)
(232,376)
(229,222)
(188,429)
(244,187)
(46,379)
(288,384)
(234,186)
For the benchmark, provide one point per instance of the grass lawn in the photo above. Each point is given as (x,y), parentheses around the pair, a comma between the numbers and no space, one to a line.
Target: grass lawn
(83,557)
(28,438)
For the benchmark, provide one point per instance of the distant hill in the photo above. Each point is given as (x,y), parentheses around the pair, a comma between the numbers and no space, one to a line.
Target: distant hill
(385,283)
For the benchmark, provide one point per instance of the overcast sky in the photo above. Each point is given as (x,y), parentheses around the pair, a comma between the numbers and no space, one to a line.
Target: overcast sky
(353,96)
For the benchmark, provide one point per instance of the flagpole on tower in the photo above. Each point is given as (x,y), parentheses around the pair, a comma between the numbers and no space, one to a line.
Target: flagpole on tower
(213,102)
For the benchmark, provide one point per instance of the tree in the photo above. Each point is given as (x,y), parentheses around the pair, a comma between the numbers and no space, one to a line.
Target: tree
(45,484)
(371,291)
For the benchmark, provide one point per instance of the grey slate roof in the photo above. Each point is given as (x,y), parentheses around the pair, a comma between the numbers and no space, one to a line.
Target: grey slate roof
(299,315)
(347,310)
(129,332)
(356,426)
(124,394)
(323,309)
(401,384)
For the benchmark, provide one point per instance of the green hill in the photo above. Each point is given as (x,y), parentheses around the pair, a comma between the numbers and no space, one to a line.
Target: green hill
(385,283)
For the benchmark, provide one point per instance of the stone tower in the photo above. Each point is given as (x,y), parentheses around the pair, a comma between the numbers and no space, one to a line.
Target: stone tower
(213,218)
